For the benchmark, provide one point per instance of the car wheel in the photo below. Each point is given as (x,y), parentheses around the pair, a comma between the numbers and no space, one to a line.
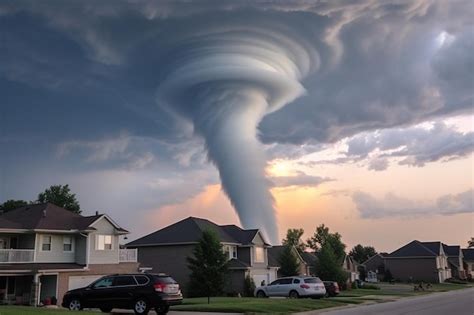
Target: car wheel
(261,294)
(294,294)
(105,309)
(141,307)
(75,305)
(162,309)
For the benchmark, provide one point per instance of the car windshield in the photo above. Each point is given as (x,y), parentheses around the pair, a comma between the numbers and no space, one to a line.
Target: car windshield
(312,280)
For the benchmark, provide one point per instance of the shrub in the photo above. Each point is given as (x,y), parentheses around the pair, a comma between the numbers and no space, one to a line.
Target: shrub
(249,286)
(370,287)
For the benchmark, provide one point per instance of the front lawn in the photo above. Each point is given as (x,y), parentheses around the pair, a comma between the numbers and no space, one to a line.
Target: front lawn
(28,310)
(254,305)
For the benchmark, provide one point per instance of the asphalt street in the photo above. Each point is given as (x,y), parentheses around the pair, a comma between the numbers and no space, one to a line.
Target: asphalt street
(459,302)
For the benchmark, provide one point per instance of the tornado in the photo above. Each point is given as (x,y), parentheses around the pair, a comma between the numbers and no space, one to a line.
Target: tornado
(225,82)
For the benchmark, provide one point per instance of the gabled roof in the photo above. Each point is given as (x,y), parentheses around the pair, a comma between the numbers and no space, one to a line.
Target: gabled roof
(381,255)
(47,216)
(188,230)
(244,237)
(452,250)
(416,249)
(237,264)
(468,253)
(435,247)
(309,258)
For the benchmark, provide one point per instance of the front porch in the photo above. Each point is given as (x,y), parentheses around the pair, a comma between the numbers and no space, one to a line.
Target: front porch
(28,289)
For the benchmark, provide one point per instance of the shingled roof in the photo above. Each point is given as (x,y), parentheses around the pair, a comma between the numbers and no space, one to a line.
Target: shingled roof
(416,249)
(190,231)
(452,250)
(468,254)
(47,216)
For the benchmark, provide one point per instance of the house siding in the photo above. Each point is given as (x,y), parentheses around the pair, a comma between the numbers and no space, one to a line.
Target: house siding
(104,227)
(81,250)
(243,254)
(170,259)
(413,269)
(56,254)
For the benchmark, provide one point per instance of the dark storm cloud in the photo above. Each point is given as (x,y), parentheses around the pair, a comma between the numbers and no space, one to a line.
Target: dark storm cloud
(74,75)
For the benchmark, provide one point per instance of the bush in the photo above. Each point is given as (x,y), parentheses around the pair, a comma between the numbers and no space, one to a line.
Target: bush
(249,286)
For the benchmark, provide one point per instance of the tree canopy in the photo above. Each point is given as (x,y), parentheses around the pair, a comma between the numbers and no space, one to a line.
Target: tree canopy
(208,266)
(293,238)
(61,196)
(362,253)
(12,204)
(322,236)
(289,265)
(328,267)
(470,243)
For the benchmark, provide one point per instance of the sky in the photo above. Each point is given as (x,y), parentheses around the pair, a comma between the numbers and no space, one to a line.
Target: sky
(266,114)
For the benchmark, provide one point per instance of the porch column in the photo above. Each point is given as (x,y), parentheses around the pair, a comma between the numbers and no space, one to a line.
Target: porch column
(35,290)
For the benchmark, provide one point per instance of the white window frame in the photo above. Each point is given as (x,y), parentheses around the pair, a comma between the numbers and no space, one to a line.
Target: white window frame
(104,237)
(43,237)
(256,254)
(71,243)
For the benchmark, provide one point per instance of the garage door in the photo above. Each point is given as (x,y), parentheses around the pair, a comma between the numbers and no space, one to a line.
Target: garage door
(81,281)
(259,278)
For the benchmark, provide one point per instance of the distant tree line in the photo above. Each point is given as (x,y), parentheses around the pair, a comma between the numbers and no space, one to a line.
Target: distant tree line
(60,195)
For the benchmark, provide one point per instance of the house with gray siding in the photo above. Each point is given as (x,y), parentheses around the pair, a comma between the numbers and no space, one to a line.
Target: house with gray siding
(166,250)
(46,250)
(274,254)
(419,261)
(455,261)
(375,267)
(468,262)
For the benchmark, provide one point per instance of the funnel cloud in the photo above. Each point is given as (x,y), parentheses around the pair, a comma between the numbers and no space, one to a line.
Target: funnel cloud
(224,85)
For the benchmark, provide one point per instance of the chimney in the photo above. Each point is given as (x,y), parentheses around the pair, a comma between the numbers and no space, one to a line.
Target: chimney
(44,213)
(97,213)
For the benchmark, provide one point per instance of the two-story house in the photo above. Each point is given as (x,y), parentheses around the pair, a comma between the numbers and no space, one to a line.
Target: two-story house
(166,250)
(419,261)
(46,250)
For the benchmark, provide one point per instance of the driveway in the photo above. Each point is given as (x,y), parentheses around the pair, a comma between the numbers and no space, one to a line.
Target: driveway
(459,302)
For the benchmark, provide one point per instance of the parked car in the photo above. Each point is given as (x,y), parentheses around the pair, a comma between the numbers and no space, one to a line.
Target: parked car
(332,288)
(293,287)
(139,292)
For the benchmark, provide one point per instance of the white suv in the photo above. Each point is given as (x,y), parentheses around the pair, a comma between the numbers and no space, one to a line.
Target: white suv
(293,287)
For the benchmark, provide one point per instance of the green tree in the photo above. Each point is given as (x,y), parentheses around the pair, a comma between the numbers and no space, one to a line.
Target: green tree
(11,205)
(293,238)
(322,236)
(288,262)
(61,196)
(327,267)
(362,253)
(208,267)
(470,243)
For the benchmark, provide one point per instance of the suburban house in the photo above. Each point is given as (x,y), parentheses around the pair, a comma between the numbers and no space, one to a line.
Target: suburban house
(46,250)
(455,260)
(375,267)
(419,261)
(166,251)
(311,260)
(274,254)
(351,267)
(468,257)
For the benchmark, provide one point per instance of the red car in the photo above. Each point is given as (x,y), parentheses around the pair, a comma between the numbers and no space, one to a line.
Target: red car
(332,288)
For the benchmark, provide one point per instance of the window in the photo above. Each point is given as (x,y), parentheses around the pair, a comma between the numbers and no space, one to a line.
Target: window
(230,251)
(67,243)
(104,242)
(296,281)
(259,254)
(276,282)
(46,243)
(286,281)
(121,281)
(141,279)
(103,283)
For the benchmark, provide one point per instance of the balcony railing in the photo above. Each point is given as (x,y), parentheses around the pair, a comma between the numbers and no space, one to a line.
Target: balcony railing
(17,255)
(128,255)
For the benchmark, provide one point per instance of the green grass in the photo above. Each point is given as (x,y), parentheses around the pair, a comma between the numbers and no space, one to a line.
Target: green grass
(254,305)
(28,310)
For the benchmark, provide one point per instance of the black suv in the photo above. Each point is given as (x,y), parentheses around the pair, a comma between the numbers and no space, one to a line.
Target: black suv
(139,292)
